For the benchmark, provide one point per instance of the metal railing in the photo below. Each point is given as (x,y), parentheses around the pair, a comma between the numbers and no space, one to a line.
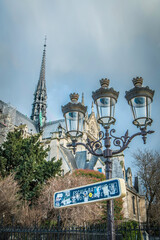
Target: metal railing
(93,232)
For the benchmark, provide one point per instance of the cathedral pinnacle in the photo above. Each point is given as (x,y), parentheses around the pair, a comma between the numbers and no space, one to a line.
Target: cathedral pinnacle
(45,41)
(40,95)
(92,107)
(82,99)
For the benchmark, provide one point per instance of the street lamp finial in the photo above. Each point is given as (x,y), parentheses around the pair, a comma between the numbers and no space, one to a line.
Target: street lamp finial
(138,81)
(104,82)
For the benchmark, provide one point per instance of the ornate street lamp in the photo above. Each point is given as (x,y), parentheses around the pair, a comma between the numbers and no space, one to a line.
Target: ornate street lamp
(105,98)
(140,99)
(74,113)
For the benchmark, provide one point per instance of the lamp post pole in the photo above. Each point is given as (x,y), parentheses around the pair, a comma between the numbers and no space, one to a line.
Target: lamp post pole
(139,98)
(110,203)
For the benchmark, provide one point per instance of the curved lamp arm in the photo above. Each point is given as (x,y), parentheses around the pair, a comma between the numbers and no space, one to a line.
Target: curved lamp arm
(124,141)
(91,146)
(121,142)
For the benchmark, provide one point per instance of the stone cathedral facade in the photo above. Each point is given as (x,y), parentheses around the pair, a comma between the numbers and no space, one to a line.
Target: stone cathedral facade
(134,207)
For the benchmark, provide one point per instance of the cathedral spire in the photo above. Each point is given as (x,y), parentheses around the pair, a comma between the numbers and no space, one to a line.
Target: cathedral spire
(82,99)
(40,95)
(92,107)
(42,82)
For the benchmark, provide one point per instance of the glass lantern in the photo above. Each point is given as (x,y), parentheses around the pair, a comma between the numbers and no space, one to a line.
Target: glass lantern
(74,123)
(140,99)
(74,113)
(105,99)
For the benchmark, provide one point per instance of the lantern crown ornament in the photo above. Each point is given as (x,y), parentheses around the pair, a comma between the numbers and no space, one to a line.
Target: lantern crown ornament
(74,97)
(105,91)
(74,105)
(74,113)
(138,81)
(140,99)
(104,82)
(105,99)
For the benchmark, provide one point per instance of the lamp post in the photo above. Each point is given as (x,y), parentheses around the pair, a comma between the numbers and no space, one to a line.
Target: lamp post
(105,98)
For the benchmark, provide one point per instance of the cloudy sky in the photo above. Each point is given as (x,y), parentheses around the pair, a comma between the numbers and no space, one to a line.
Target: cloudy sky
(86,40)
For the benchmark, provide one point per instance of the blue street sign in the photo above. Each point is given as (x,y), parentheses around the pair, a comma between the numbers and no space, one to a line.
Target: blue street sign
(100,191)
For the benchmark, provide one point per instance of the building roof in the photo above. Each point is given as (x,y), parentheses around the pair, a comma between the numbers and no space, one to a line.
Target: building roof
(22,119)
(17,118)
(51,127)
(80,159)
(68,156)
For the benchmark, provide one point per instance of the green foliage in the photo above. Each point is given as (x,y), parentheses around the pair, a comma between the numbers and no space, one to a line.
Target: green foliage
(26,157)
(49,223)
(130,230)
(118,205)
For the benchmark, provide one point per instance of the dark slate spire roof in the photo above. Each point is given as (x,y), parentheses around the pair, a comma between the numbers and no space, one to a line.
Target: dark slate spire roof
(40,96)
(42,83)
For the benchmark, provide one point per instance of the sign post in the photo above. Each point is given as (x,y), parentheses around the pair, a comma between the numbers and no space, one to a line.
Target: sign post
(100,191)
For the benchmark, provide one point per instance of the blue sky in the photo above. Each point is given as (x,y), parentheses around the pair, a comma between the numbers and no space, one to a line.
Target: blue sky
(86,40)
